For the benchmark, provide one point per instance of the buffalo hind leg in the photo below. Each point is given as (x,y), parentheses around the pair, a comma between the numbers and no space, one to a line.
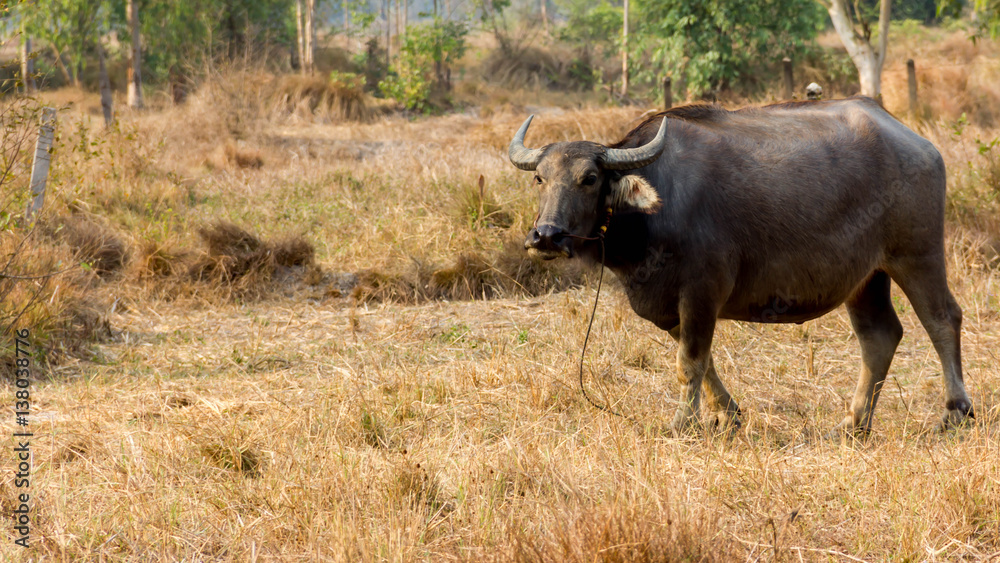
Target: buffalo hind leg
(925,284)
(726,412)
(879,332)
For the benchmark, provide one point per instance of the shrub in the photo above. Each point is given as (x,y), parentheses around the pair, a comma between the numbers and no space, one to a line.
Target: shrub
(424,63)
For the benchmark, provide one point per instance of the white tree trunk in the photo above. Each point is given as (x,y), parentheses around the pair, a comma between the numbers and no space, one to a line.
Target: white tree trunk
(134,92)
(307,61)
(625,51)
(545,16)
(868,60)
(299,39)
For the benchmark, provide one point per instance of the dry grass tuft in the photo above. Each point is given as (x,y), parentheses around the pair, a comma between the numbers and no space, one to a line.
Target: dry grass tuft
(510,272)
(243,264)
(623,533)
(339,98)
(537,68)
(94,244)
(242,157)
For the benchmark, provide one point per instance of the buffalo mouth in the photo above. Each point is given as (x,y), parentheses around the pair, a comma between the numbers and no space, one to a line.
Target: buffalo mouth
(548,254)
(549,242)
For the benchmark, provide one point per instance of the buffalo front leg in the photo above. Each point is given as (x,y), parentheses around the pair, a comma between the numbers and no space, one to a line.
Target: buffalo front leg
(694,356)
(879,332)
(725,411)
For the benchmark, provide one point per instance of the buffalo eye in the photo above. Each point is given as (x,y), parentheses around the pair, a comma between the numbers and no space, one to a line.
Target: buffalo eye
(538,179)
(590,180)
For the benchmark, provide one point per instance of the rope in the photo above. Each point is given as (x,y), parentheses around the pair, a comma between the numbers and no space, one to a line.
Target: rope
(593,313)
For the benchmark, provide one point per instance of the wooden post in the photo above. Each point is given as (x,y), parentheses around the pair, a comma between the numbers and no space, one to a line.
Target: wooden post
(911,79)
(786,64)
(668,96)
(105,85)
(40,168)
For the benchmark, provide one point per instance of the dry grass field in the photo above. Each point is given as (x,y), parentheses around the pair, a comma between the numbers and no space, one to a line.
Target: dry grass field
(289,337)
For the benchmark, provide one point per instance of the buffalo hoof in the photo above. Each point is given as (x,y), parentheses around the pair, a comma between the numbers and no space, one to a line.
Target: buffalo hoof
(724,423)
(957,416)
(848,431)
(684,425)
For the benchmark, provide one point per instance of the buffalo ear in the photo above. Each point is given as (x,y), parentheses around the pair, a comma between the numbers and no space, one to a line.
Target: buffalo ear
(633,193)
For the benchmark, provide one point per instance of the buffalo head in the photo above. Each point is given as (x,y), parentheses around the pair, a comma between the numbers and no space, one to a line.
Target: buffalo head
(578,181)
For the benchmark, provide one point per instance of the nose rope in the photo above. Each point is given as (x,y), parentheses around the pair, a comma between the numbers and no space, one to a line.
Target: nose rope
(593,313)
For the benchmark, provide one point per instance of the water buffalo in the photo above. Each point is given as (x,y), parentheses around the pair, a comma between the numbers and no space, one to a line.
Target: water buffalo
(773,214)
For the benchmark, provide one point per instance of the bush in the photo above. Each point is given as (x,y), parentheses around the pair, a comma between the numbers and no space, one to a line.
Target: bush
(424,63)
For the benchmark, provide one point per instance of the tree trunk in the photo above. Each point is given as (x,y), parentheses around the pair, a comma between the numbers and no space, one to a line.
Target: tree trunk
(307,59)
(625,51)
(67,72)
(299,40)
(545,16)
(868,60)
(347,26)
(27,65)
(406,16)
(387,7)
(134,92)
(105,84)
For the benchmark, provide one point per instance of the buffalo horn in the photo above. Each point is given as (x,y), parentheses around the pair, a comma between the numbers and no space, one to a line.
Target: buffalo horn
(521,156)
(630,159)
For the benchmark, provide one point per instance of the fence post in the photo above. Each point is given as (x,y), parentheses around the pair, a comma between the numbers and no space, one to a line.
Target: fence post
(911,79)
(40,168)
(786,64)
(668,96)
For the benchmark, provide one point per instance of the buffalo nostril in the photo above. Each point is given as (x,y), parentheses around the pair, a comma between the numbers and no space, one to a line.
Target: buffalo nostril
(548,236)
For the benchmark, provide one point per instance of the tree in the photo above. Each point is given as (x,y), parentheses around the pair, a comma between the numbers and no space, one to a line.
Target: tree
(986,14)
(712,44)
(304,34)
(27,64)
(590,28)
(134,56)
(625,49)
(855,31)
(424,62)
(66,26)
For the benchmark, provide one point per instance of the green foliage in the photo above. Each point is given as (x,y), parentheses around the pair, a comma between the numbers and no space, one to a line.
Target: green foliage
(591,27)
(347,81)
(426,52)
(987,14)
(67,26)
(177,35)
(715,43)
